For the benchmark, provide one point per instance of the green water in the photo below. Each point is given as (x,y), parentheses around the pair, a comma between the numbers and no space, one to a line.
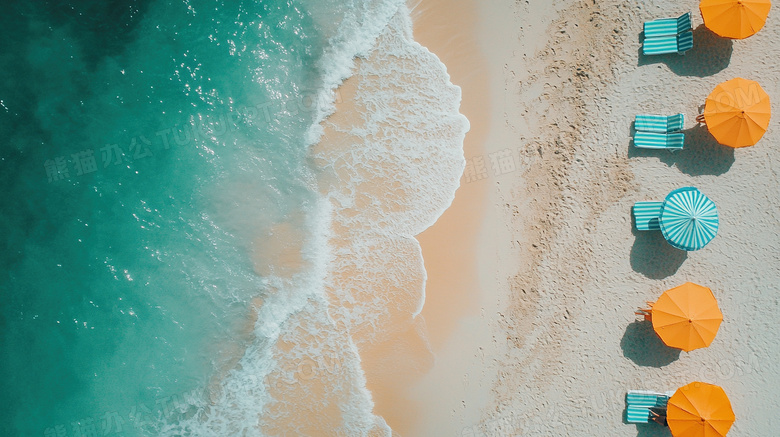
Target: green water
(125,267)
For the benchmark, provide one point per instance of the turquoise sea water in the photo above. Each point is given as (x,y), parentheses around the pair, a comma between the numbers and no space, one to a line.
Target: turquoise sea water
(149,149)
(125,232)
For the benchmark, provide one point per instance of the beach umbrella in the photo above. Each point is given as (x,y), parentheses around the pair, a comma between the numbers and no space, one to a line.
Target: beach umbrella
(699,410)
(735,18)
(689,219)
(737,112)
(687,317)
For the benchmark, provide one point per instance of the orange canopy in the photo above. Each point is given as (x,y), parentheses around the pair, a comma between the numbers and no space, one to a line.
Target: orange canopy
(737,112)
(687,317)
(735,18)
(699,410)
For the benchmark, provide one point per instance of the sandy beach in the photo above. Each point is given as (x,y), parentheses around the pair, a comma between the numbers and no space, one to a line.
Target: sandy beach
(540,338)
(407,218)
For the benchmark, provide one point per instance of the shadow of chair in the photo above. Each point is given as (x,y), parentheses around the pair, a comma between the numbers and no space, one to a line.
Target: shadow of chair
(652,430)
(710,54)
(652,256)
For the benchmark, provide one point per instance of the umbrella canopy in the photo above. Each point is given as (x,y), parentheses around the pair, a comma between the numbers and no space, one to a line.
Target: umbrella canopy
(735,18)
(699,410)
(689,219)
(687,317)
(737,112)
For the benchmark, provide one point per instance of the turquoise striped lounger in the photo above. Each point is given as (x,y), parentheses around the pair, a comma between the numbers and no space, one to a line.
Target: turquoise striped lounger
(647,218)
(637,414)
(639,403)
(652,140)
(664,45)
(668,26)
(662,400)
(684,42)
(659,123)
(642,398)
(646,398)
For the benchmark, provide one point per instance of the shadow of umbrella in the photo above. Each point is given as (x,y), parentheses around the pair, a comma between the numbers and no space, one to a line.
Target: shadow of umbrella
(702,155)
(710,54)
(652,256)
(642,345)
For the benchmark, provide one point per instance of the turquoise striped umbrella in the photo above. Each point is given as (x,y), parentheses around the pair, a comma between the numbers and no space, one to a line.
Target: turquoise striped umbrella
(689,219)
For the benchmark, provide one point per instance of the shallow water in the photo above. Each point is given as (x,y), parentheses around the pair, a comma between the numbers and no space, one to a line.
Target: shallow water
(174,244)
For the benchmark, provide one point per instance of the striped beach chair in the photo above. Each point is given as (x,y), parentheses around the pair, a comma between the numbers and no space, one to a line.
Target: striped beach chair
(664,45)
(668,26)
(647,218)
(639,403)
(637,414)
(659,123)
(653,140)
(642,398)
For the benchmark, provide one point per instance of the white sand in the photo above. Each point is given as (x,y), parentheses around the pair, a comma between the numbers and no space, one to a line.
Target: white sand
(554,347)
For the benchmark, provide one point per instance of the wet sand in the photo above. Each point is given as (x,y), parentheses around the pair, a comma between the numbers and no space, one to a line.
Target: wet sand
(453,391)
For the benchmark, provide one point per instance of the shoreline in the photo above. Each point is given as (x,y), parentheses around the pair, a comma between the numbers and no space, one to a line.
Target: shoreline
(392,332)
(452,395)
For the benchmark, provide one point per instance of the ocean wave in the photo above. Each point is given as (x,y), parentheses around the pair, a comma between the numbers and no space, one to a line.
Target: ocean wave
(387,161)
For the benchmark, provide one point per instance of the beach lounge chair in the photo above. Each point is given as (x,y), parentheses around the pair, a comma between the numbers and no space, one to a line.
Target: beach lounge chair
(659,123)
(642,398)
(664,45)
(668,26)
(637,414)
(647,398)
(652,140)
(639,403)
(647,216)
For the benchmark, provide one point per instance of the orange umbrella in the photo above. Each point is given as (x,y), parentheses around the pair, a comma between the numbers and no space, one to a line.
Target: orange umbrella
(737,112)
(687,317)
(735,18)
(699,410)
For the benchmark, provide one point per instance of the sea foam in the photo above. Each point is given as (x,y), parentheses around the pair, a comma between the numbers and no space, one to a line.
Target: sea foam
(387,162)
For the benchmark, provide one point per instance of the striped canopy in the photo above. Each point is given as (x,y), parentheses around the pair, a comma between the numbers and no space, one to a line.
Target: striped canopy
(689,219)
